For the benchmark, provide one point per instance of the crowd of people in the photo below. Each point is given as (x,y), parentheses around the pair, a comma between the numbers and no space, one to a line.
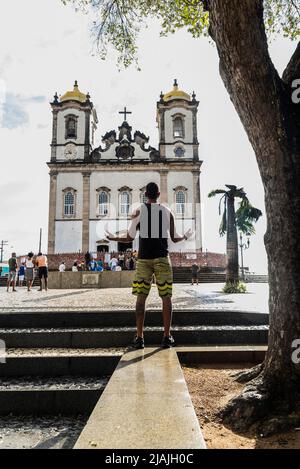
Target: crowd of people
(26,270)
(114,262)
(37,265)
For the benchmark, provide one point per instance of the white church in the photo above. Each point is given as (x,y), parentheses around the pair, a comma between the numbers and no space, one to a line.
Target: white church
(96,187)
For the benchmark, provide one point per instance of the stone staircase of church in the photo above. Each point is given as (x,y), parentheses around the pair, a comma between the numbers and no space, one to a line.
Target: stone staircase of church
(59,361)
(184,275)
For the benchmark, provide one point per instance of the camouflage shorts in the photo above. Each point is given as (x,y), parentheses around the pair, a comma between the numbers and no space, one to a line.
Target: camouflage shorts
(161,269)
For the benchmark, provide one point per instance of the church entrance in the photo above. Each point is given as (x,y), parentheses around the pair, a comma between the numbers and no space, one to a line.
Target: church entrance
(122,247)
(102,248)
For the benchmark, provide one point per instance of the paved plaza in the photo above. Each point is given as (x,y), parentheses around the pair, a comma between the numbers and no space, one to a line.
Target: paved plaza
(204,296)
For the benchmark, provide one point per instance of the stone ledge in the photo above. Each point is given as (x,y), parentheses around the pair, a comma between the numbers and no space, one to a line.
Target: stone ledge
(145,405)
(78,280)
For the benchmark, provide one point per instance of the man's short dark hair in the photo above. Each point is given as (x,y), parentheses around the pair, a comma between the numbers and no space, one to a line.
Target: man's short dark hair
(152,190)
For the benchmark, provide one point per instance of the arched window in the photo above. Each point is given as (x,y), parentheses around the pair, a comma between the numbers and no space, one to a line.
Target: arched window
(178,127)
(180,202)
(143,196)
(69,204)
(124,202)
(71,127)
(103,203)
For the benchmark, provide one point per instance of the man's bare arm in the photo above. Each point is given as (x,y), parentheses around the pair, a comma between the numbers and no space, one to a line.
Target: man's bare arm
(175,237)
(131,232)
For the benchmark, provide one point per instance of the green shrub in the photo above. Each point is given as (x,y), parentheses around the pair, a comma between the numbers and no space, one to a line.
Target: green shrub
(237,287)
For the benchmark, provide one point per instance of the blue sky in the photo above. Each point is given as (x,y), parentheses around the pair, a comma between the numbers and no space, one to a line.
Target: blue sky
(48,48)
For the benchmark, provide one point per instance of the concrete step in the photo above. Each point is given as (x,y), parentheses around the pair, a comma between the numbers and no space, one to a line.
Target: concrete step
(121,337)
(221,354)
(146,404)
(60,362)
(51,396)
(182,277)
(126,318)
(103,361)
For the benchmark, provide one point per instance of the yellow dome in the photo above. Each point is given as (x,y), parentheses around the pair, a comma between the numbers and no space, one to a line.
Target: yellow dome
(176,94)
(74,95)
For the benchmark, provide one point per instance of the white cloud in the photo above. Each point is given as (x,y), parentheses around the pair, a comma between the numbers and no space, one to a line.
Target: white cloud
(14,110)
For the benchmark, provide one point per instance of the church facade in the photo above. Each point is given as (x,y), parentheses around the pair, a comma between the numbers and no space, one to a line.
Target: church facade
(94,188)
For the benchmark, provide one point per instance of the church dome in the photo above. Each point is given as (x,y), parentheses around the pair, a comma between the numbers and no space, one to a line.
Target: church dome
(74,95)
(176,94)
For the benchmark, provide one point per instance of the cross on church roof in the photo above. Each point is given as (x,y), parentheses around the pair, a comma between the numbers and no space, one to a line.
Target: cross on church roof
(125,112)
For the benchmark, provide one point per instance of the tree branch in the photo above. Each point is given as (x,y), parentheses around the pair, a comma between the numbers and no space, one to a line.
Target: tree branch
(292,70)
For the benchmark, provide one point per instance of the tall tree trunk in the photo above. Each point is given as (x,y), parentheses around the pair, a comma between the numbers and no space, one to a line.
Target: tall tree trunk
(232,270)
(272,122)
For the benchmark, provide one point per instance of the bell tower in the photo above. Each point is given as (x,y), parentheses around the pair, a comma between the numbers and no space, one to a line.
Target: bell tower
(177,125)
(72,124)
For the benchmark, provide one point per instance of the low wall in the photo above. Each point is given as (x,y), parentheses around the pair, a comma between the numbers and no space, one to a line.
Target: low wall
(178,259)
(74,280)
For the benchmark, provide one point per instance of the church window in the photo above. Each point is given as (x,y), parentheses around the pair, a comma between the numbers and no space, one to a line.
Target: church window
(178,127)
(144,198)
(71,127)
(180,202)
(103,203)
(125,203)
(179,152)
(69,204)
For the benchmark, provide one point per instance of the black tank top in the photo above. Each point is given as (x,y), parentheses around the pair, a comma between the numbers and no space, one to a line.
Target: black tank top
(154,229)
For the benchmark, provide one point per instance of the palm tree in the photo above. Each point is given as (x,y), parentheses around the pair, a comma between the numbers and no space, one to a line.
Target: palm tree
(242,220)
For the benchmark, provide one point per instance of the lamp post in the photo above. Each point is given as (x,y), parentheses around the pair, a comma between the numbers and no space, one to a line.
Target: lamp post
(40,240)
(2,244)
(243,246)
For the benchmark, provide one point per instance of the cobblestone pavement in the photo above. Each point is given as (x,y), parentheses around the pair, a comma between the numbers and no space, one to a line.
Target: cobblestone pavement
(27,432)
(204,296)
(58,352)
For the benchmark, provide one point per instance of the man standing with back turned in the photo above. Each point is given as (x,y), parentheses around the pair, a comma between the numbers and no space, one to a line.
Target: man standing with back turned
(155,223)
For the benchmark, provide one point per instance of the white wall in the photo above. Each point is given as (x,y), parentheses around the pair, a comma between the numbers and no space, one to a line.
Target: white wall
(188,152)
(188,132)
(60,151)
(114,180)
(61,125)
(188,120)
(185,179)
(68,236)
(97,231)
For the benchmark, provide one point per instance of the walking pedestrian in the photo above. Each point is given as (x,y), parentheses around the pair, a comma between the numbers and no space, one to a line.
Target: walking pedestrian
(12,272)
(21,274)
(195,272)
(29,272)
(42,264)
(87,258)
